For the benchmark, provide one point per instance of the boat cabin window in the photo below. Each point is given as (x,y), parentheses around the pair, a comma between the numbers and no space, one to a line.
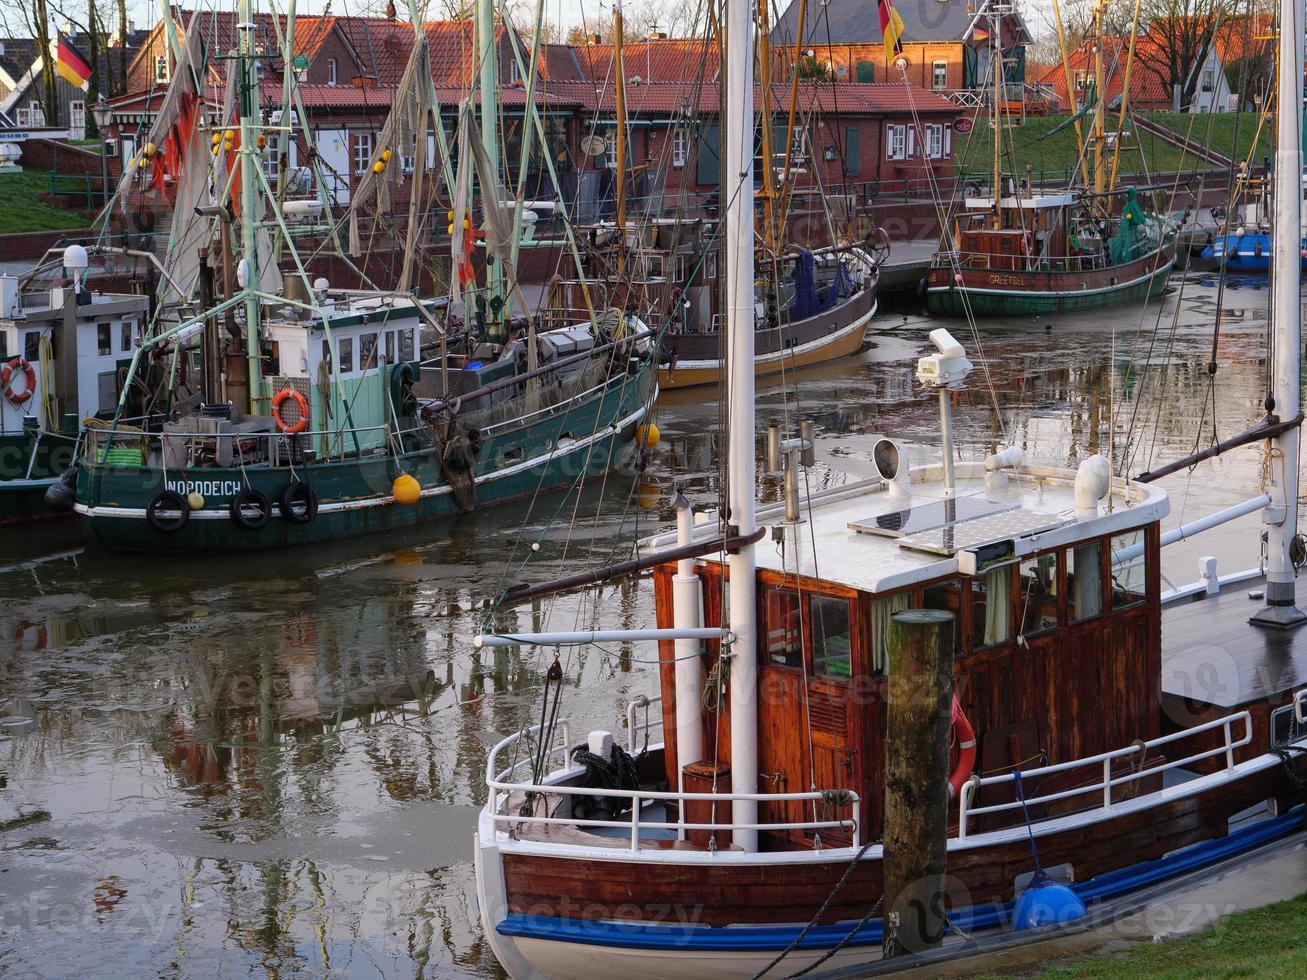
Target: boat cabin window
(991,607)
(1084,581)
(346,347)
(832,636)
(948,597)
(1127,570)
(783,640)
(125,336)
(32,345)
(367,351)
(882,609)
(1038,577)
(104,339)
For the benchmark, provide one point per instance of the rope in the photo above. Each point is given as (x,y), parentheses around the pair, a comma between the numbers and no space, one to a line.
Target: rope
(794,943)
(1025,813)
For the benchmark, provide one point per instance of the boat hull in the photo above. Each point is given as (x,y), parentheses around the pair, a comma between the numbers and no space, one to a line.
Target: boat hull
(670,913)
(989,292)
(29,464)
(355,496)
(1250,253)
(694,359)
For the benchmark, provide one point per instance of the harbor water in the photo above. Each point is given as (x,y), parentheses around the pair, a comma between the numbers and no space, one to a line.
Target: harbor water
(272,764)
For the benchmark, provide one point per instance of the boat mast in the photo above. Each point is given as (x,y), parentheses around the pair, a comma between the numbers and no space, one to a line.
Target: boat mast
(737,196)
(489,83)
(1100,100)
(619,93)
(995,23)
(249,159)
(1282,515)
(771,233)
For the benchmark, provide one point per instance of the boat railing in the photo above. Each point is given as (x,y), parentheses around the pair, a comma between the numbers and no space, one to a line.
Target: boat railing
(643,719)
(968,811)
(249,448)
(507,795)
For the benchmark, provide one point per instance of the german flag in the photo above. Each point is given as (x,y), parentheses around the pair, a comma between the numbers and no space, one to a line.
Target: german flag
(69,63)
(891,29)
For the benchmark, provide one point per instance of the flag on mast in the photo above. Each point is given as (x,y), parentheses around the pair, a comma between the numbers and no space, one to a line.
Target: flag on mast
(69,63)
(891,29)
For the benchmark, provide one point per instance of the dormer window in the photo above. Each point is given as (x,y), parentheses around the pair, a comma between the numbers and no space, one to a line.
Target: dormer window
(161,68)
(331,71)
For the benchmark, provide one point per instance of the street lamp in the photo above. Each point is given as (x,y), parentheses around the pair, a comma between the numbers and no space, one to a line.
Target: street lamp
(102,113)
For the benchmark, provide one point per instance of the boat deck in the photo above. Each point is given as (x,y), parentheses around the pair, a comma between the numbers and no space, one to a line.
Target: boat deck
(1213,654)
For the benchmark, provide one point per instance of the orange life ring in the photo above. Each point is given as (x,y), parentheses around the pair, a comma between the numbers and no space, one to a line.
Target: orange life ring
(6,376)
(964,736)
(279,399)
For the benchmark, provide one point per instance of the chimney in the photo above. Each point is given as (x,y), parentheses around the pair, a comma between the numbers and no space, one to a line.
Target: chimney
(592,39)
(364,81)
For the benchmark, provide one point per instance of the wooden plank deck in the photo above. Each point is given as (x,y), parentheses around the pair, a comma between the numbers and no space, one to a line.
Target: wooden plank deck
(1212,654)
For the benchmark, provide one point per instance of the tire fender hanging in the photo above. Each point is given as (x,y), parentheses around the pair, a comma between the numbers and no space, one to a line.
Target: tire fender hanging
(159,512)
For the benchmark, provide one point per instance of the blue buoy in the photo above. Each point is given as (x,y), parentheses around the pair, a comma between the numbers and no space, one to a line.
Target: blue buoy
(1046,902)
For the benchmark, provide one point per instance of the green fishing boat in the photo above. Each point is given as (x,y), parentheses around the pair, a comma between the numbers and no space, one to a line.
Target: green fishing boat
(1016,250)
(293,412)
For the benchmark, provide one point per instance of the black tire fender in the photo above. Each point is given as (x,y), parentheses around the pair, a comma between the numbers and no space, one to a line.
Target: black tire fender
(299,502)
(169,500)
(250,509)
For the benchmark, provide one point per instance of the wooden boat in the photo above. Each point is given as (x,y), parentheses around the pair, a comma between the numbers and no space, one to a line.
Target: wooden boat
(1048,255)
(792,330)
(1014,252)
(1126,734)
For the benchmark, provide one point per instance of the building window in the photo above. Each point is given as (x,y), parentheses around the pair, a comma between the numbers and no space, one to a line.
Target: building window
(331,71)
(161,68)
(1082,81)
(272,161)
(362,152)
(680,144)
(610,150)
(1209,79)
(939,75)
(77,118)
(799,148)
(896,142)
(33,115)
(934,141)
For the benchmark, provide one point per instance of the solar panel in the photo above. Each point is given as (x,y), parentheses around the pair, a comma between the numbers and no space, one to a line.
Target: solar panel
(926,515)
(1016,523)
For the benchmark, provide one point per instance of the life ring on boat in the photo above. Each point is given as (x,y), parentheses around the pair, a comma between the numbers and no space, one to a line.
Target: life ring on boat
(24,367)
(279,399)
(964,737)
(299,502)
(250,509)
(167,512)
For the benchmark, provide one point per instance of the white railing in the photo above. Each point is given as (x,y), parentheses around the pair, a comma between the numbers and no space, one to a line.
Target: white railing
(502,790)
(652,722)
(1107,781)
(1300,706)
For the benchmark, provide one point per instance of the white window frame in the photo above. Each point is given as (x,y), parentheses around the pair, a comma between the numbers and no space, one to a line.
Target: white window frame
(24,118)
(77,118)
(680,145)
(938,68)
(161,68)
(361,159)
(799,147)
(331,71)
(896,142)
(610,149)
(935,141)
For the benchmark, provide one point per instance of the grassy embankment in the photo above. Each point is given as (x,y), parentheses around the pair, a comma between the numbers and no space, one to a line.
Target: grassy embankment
(1053,155)
(1265,942)
(21,211)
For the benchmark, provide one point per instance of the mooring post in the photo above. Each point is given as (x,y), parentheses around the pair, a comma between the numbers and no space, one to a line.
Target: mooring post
(920,697)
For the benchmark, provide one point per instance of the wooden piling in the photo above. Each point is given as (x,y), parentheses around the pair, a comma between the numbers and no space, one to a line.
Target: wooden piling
(920,697)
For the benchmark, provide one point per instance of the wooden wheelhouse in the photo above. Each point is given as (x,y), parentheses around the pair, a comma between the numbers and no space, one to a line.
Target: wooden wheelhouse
(1057,657)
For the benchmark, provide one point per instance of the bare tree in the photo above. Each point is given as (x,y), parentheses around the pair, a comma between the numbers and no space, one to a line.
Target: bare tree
(1182,33)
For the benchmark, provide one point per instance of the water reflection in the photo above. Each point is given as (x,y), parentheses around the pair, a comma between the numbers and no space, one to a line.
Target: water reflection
(272,764)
